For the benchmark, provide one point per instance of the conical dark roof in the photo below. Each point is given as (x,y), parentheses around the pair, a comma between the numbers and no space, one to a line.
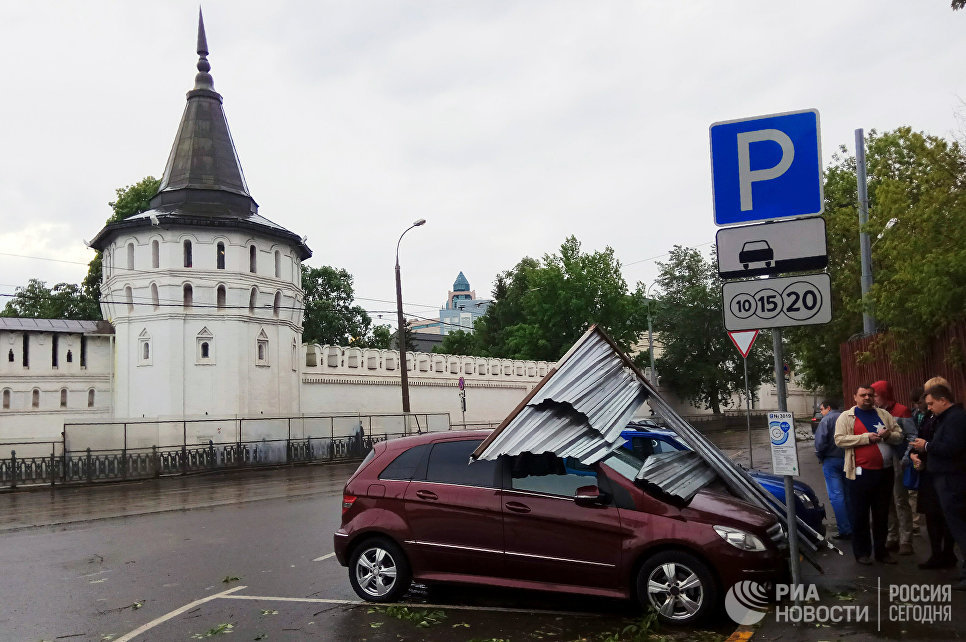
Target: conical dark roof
(203,184)
(203,167)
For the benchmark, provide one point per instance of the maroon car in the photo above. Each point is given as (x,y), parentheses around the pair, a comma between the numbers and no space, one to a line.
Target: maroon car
(417,508)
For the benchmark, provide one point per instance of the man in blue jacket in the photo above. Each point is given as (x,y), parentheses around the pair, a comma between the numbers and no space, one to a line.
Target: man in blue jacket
(947,463)
(833,463)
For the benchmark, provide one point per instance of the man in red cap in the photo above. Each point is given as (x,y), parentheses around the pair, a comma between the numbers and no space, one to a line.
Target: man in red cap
(900,510)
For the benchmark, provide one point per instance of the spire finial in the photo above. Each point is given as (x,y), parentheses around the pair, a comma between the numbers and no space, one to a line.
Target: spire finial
(203,80)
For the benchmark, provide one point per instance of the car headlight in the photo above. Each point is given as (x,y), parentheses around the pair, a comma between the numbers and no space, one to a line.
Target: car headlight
(739,539)
(804,499)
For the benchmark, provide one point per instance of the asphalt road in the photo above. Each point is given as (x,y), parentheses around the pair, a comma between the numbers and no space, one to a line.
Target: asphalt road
(187,557)
(178,558)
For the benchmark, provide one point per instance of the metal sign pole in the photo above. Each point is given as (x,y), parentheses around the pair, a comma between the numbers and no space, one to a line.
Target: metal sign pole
(751,457)
(789,482)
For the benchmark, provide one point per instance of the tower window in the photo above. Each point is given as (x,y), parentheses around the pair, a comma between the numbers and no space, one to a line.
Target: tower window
(277,303)
(188,296)
(221,296)
(90,398)
(252,259)
(155,254)
(53,351)
(6,399)
(278,264)
(144,348)
(205,352)
(63,397)
(129,297)
(130,256)
(261,349)
(187,253)
(70,357)
(83,352)
(10,356)
(35,398)
(252,300)
(26,350)
(220,256)
(155,301)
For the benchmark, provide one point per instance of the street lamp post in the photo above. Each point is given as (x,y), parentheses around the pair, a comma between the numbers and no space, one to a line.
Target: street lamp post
(401,332)
(650,336)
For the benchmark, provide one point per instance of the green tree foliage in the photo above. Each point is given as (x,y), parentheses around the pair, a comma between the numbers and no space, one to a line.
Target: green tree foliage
(541,308)
(330,317)
(381,338)
(131,200)
(458,342)
(699,362)
(917,204)
(63,301)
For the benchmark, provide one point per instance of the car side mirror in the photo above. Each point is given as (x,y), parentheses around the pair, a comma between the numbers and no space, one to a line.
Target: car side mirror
(590,496)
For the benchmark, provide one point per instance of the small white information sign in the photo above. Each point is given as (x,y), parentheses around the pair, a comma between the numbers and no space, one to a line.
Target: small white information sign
(784,452)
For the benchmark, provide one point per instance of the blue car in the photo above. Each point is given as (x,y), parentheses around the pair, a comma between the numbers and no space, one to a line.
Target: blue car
(646,438)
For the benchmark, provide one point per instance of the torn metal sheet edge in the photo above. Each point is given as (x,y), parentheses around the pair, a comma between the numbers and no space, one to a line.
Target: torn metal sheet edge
(571,390)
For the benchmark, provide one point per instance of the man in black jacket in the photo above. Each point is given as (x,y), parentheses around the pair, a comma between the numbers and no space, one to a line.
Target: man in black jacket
(947,463)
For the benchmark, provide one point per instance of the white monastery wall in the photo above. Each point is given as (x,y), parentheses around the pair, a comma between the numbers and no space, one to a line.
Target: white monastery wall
(338,379)
(36,399)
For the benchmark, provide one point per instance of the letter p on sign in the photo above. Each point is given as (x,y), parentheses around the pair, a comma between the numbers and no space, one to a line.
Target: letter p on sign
(766,167)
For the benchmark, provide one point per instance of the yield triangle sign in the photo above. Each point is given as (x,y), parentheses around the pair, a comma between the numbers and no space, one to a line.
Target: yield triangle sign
(743,340)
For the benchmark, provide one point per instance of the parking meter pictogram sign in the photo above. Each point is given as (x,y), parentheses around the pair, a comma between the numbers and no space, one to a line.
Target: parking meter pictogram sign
(777,302)
(766,167)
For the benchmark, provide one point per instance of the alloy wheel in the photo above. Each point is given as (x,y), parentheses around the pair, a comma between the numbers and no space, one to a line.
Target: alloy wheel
(675,591)
(376,571)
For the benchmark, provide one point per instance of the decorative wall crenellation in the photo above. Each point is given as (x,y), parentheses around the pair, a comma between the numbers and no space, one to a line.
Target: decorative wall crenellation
(328,359)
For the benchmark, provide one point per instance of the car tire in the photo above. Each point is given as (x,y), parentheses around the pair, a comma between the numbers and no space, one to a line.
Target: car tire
(678,586)
(379,570)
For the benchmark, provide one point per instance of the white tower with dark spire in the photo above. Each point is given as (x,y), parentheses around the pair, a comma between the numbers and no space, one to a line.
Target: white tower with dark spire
(204,293)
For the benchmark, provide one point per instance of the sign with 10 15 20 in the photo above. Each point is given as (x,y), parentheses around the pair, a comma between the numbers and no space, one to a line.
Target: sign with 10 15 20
(777,302)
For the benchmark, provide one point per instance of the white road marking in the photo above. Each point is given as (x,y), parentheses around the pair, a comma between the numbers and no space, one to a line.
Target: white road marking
(167,616)
(324,557)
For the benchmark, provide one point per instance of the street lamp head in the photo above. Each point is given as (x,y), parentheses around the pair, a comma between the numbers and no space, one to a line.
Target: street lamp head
(419,222)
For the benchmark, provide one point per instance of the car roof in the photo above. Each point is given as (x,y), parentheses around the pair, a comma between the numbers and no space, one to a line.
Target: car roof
(428,437)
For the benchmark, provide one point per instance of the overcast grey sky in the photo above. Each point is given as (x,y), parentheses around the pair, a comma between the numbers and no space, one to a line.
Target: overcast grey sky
(507,125)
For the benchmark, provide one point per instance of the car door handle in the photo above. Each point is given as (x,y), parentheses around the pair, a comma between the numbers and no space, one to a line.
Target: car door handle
(517,507)
(426,494)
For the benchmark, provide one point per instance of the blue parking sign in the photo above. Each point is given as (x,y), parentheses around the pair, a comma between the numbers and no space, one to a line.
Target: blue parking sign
(767,167)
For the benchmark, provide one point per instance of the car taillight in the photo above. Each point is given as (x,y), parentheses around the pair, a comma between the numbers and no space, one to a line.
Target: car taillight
(347,502)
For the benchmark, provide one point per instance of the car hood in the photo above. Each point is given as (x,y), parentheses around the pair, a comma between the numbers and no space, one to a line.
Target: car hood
(718,507)
(768,479)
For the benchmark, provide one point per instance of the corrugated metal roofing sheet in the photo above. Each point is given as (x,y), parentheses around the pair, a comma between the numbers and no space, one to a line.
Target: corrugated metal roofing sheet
(681,473)
(579,411)
(56,325)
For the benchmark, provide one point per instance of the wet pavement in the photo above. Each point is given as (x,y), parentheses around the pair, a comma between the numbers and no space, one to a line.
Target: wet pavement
(191,556)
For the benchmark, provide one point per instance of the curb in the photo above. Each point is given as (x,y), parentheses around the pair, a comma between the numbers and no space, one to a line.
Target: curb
(741,634)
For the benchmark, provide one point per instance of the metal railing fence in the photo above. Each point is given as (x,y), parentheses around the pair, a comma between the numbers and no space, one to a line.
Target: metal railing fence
(103,451)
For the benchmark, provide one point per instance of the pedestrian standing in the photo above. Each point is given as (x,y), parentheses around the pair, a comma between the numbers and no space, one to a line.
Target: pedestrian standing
(941,541)
(865,434)
(900,510)
(947,463)
(832,459)
(917,406)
